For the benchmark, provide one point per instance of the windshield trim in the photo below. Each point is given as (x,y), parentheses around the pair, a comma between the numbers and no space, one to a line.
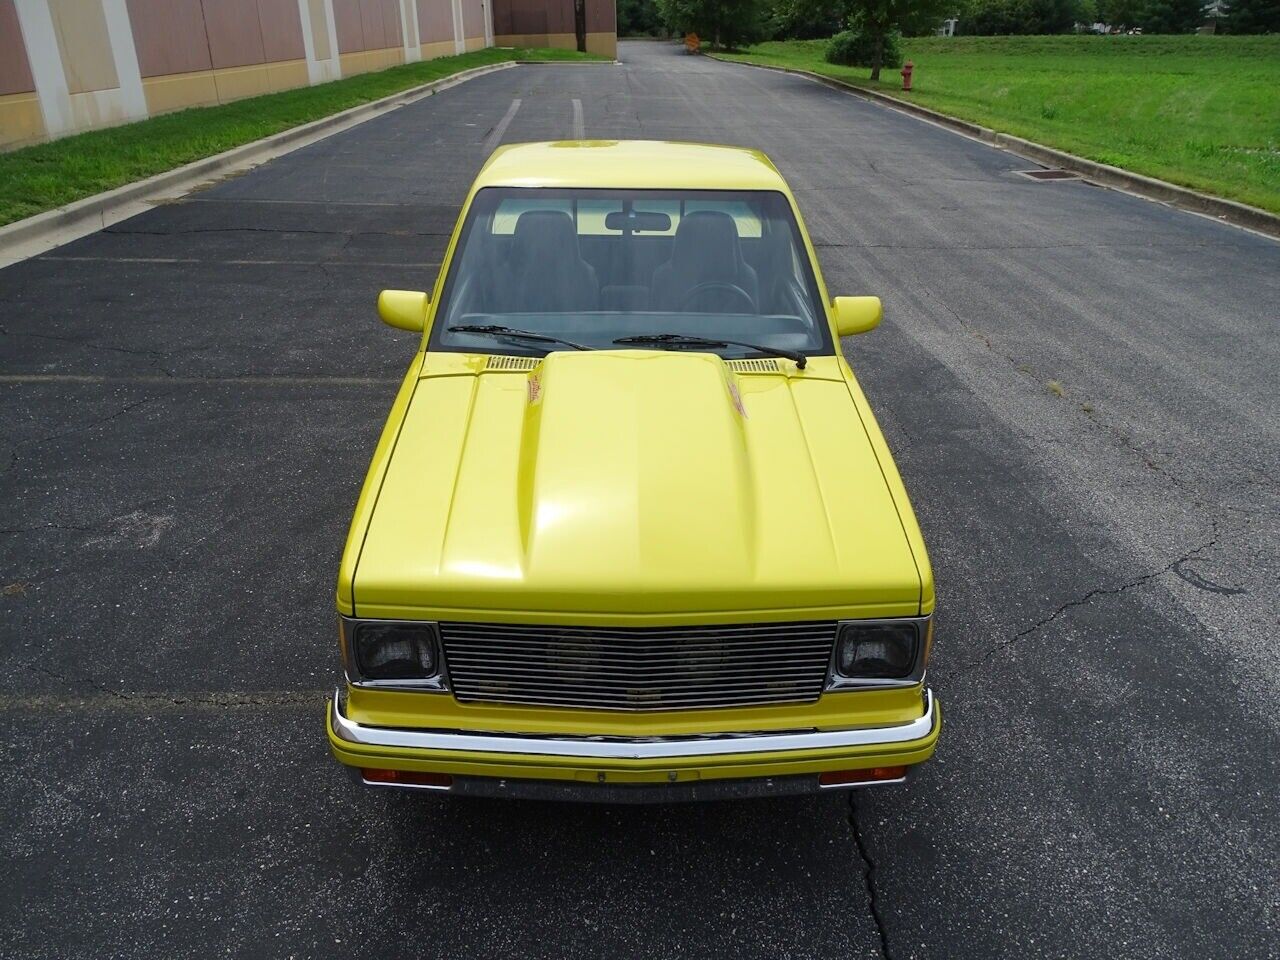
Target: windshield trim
(438,328)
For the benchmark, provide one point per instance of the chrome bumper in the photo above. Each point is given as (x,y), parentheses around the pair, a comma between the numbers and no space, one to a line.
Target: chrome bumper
(708,748)
(632,748)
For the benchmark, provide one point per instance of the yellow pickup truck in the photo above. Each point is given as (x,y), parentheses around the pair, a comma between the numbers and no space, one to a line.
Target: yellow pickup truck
(631,532)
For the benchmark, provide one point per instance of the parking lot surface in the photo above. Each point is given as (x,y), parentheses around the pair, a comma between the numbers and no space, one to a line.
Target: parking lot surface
(1078,385)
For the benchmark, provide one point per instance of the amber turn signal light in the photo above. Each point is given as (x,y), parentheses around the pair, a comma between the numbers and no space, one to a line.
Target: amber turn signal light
(411,778)
(834,778)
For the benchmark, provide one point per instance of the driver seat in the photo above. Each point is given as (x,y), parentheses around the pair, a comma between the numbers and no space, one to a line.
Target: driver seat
(705,250)
(547,273)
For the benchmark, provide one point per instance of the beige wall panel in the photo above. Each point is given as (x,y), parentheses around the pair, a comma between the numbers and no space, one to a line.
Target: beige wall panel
(287,75)
(472,20)
(179,91)
(371,24)
(440,48)
(281,31)
(352,63)
(435,21)
(15,69)
(534,17)
(474,43)
(557,41)
(319,29)
(81,29)
(602,17)
(603,44)
(236,83)
(235,39)
(346,22)
(169,36)
(20,120)
(392,25)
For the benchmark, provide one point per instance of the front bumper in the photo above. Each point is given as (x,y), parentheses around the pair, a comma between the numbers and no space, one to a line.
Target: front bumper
(634,769)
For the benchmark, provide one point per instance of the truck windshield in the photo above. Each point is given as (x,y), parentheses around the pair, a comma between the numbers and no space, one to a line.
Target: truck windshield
(589,267)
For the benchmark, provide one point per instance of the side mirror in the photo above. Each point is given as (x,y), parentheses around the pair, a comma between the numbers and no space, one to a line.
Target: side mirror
(404,309)
(856,314)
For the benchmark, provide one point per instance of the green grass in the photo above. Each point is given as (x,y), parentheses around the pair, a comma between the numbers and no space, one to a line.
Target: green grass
(1202,111)
(48,175)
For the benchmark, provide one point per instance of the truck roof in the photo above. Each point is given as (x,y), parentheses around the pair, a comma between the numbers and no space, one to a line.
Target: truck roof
(630,164)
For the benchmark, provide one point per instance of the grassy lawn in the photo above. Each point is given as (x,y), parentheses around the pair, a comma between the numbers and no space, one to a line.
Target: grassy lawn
(49,175)
(1200,111)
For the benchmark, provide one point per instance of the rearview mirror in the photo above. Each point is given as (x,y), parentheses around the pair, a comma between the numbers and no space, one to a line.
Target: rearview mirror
(638,221)
(856,314)
(404,309)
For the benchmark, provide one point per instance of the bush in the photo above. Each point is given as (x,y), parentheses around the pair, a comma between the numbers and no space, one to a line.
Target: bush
(853,48)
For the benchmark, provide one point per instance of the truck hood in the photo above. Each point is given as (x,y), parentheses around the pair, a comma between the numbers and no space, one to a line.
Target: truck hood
(633,483)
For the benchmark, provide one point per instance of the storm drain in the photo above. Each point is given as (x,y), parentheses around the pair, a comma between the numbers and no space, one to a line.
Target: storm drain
(1048,174)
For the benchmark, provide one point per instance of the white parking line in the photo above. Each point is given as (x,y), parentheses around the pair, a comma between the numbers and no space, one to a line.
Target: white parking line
(495,135)
(579,127)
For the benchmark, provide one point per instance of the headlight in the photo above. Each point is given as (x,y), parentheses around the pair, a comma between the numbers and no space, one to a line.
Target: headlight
(878,651)
(395,651)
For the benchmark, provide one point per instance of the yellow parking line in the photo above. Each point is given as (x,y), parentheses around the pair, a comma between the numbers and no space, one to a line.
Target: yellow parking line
(150,702)
(200,381)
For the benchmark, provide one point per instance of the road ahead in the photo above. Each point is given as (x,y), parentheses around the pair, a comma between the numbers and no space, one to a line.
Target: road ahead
(1079,387)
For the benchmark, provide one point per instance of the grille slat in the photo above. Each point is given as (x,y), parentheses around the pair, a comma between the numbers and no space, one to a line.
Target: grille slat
(645,668)
(676,668)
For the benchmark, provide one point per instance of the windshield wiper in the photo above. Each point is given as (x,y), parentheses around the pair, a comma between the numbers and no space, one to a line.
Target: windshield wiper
(497,330)
(684,340)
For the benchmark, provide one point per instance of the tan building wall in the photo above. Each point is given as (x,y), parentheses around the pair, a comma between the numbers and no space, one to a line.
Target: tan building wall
(20,118)
(192,53)
(369,34)
(550,23)
(436,36)
(73,65)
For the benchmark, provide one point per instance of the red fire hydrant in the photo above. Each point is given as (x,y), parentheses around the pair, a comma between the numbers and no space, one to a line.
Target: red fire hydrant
(906,74)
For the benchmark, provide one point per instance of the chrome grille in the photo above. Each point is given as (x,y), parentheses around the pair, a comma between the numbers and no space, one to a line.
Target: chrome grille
(649,668)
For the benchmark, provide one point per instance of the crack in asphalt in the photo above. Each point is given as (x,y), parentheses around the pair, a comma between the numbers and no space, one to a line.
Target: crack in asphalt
(868,876)
(1170,567)
(1090,414)
(37,441)
(155,356)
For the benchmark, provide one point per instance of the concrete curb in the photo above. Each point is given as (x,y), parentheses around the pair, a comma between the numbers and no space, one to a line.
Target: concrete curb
(34,235)
(1231,211)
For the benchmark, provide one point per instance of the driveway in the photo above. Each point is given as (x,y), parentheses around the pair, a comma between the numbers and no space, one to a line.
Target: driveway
(1080,390)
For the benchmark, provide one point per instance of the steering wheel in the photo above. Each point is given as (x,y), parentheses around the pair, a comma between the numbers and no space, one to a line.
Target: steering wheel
(720,285)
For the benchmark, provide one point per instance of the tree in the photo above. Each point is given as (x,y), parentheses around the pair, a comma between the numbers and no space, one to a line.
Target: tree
(1252,16)
(638,18)
(878,18)
(1003,17)
(1120,13)
(1170,16)
(805,19)
(726,23)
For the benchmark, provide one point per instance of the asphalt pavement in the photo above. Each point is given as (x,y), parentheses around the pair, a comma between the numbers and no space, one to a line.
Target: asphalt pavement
(1079,387)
